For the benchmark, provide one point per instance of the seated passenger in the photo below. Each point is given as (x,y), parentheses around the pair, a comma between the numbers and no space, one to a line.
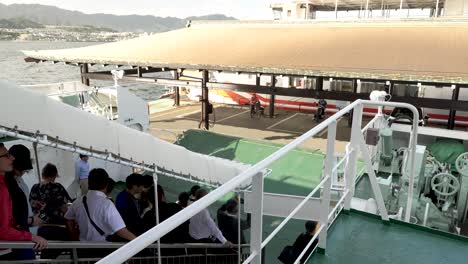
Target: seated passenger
(49,200)
(9,230)
(290,254)
(95,214)
(128,203)
(202,228)
(228,221)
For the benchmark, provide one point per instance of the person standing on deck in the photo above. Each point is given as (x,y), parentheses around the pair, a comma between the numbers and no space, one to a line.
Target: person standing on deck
(253,101)
(9,229)
(82,173)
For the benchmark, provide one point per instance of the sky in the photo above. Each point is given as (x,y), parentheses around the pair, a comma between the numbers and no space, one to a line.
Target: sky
(241,9)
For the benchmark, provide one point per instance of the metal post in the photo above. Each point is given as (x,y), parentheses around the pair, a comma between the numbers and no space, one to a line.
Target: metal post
(307,10)
(272,96)
(401,6)
(176,90)
(350,167)
(436,13)
(156,209)
(373,179)
(452,113)
(75,256)
(319,84)
(205,101)
(325,201)
(367,8)
(256,227)
(37,162)
(139,72)
(336,9)
(239,230)
(84,69)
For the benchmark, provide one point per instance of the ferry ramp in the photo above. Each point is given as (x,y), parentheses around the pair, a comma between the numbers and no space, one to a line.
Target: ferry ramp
(360,238)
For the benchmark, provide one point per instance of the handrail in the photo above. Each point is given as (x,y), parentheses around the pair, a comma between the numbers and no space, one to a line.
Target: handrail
(298,207)
(174,221)
(135,246)
(105,245)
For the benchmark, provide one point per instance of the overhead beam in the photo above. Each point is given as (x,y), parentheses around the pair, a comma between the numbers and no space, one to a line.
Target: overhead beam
(306,93)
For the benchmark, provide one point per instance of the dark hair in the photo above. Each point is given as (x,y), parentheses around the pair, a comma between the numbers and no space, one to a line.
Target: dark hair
(310,226)
(83,156)
(200,193)
(148,181)
(2,145)
(230,205)
(183,199)
(194,189)
(151,195)
(98,179)
(134,179)
(22,156)
(110,185)
(49,171)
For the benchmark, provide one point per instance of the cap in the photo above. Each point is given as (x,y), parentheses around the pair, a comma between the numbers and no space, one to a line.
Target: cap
(22,157)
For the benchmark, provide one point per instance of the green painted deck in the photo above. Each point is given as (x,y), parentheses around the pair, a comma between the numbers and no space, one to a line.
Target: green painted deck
(359,239)
(354,238)
(298,172)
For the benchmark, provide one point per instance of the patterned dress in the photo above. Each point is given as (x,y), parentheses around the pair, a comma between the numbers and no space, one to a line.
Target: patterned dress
(54,196)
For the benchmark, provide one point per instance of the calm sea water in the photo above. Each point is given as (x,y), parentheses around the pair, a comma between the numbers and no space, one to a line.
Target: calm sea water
(14,69)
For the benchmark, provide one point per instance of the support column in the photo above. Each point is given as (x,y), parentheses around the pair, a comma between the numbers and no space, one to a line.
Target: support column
(272,96)
(452,113)
(319,84)
(84,69)
(176,90)
(328,171)
(352,150)
(139,72)
(256,226)
(205,101)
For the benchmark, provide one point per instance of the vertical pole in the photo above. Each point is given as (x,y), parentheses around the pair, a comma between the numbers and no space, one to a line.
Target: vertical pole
(452,114)
(256,227)
(367,8)
(205,100)
(139,72)
(401,6)
(37,162)
(84,69)
(307,10)
(239,230)
(336,9)
(156,209)
(176,90)
(325,201)
(272,96)
(436,13)
(350,167)
(319,84)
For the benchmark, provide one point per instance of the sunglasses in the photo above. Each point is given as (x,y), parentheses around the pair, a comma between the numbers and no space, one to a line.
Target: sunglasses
(7,155)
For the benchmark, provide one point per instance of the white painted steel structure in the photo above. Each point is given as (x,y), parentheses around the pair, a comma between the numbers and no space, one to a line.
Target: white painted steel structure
(254,173)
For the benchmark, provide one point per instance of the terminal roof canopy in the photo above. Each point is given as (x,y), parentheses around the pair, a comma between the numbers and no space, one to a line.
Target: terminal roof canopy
(409,51)
(329,5)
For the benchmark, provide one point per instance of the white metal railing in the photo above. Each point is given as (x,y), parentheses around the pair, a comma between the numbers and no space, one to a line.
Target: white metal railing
(254,173)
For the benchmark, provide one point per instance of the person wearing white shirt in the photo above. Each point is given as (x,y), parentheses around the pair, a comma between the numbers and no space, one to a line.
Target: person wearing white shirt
(104,214)
(203,228)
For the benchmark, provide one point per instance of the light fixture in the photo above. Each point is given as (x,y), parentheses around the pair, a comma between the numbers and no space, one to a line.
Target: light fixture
(387,83)
(331,79)
(358,81)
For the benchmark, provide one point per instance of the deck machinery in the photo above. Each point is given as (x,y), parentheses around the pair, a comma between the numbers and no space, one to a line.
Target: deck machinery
(440,181)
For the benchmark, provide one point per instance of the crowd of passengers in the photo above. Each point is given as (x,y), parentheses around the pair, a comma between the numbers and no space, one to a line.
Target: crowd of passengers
(95,216)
